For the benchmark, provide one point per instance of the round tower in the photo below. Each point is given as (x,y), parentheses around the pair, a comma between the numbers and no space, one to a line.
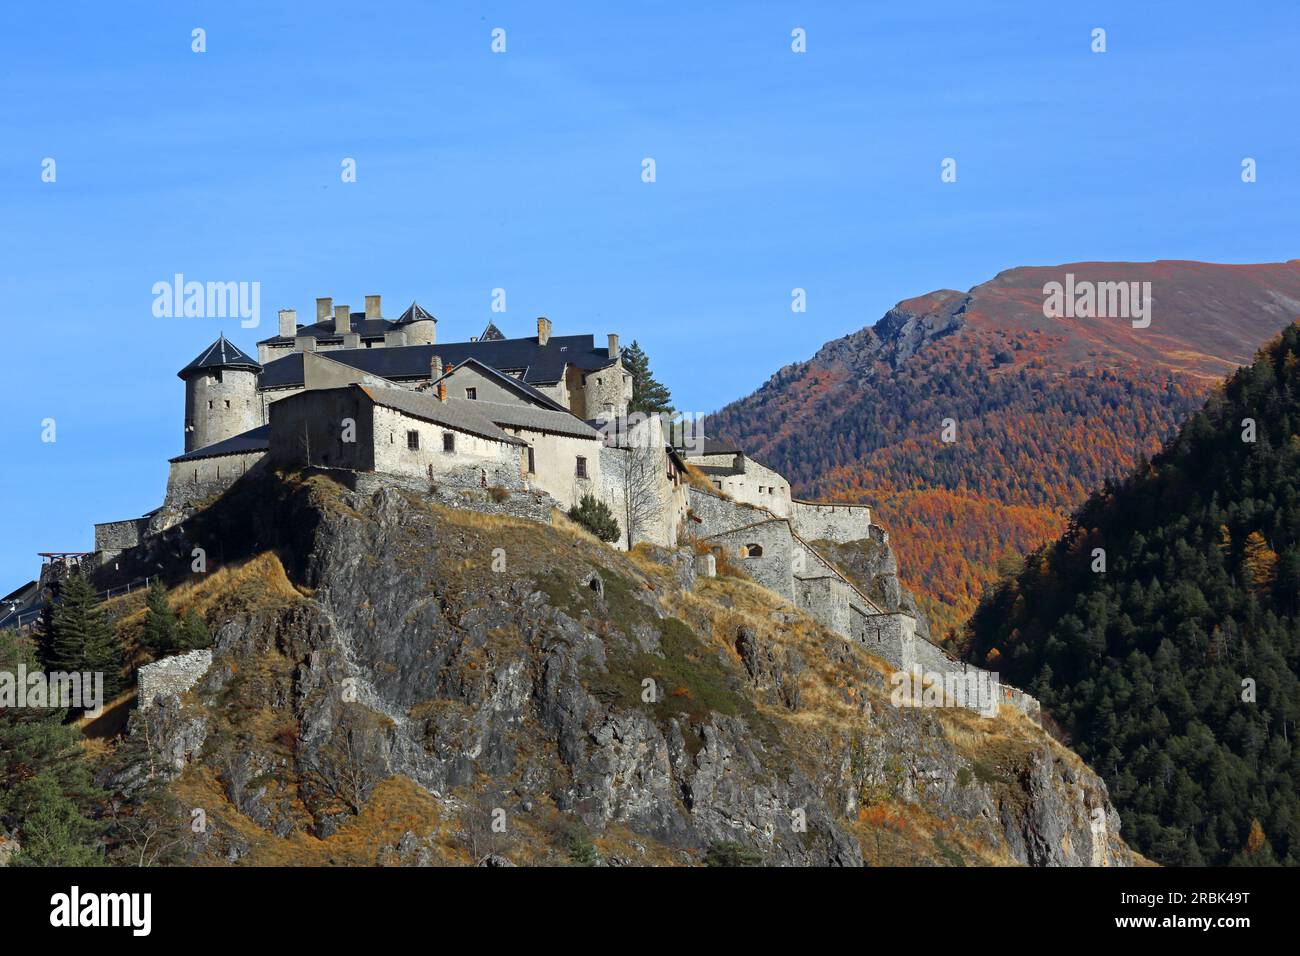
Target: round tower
(420,327)
(220,395)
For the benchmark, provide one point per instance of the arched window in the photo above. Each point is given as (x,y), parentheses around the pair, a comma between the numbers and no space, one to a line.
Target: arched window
(752,551)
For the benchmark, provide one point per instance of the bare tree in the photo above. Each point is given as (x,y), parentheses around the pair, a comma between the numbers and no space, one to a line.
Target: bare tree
(637,470)
(351,762)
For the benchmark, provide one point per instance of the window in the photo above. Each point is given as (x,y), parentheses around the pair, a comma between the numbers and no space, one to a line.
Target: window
(448,441)
(413,440)
(761,489)
(718,485)
(471,394)
(532,465)
(209,403)
(752,551)
(227,403)
(582,467)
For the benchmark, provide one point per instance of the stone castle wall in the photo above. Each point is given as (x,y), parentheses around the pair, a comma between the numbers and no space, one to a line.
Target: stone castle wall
(830,522)
(220,404)
(171,675)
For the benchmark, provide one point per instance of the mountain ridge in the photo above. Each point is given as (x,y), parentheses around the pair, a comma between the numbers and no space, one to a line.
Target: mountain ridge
(1045,408)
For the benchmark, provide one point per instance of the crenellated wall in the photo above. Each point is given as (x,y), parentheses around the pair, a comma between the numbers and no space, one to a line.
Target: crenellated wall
(819,521)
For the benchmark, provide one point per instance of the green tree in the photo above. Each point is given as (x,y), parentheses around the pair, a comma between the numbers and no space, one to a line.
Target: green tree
(160,624)
(649,395)
(82,639)
(46,791)
(594,515)
(193,633)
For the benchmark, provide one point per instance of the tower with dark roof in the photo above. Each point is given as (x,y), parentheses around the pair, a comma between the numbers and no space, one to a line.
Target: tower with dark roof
(221,399)
(420,327)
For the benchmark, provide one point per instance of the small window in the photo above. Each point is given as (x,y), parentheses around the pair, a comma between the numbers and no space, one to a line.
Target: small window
(718,485)
(227,403)
(582,467)
(471,394)
(532,465)
(752,551)
(209,403)
(413,440)
(448,441)
(761,489)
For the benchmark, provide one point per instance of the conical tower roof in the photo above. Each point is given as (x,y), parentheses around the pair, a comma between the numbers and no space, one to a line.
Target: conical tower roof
(220,354)
(415,314)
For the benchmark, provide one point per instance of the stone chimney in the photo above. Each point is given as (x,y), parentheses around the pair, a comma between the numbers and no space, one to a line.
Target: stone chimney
(342,319)
(304,343)
(323,309)
(394,338)
(613,345)
(543,330)
(372,307)
(437,370)
(288,323)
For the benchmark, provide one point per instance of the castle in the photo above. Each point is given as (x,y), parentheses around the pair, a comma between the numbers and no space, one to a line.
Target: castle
(541,421)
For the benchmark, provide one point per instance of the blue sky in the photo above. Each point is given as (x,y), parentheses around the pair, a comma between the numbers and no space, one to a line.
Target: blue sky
(522,171)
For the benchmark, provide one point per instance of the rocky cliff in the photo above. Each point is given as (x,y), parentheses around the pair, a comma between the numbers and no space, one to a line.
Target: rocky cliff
(395,681)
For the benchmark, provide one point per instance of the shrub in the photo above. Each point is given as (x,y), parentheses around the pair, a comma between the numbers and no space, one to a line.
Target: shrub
(728,853)
(595,516)
(498,494)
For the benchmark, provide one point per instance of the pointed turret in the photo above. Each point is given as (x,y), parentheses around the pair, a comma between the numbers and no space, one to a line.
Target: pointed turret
(420,327)
(221,398)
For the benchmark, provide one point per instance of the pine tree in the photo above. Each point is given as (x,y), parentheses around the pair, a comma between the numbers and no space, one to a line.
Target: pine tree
(160,625)
(648,394)
(83,640)
(193,633)
(594,515)
(46,791)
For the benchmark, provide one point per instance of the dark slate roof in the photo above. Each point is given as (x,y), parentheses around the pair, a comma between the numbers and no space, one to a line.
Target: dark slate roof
(712,446)
(541,364)
(221,354)
(255,439)
(324,331)
(491,333)
(518,386)
(415,314)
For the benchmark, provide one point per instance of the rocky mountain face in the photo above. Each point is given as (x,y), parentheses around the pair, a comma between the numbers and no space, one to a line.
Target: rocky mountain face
(974,423)
(396,681)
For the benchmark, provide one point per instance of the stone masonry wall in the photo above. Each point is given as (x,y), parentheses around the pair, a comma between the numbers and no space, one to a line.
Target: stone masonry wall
(171,675)
(830,522)
(113,537)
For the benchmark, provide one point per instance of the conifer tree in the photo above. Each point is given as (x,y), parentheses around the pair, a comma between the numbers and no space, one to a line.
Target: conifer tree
(160,624)
(46,792)
(192,634)
(648,394)
(594,515)
(83,640)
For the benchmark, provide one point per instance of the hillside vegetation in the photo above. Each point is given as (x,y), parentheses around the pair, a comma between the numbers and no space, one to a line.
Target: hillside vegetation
(384,690)
(1043,411)
(1174,670)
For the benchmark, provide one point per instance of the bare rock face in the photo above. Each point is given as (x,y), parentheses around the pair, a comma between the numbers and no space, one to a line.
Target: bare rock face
(563,689)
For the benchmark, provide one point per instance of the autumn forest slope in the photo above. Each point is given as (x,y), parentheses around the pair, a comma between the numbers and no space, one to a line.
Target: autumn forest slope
(1044,410)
